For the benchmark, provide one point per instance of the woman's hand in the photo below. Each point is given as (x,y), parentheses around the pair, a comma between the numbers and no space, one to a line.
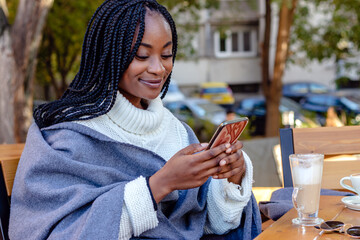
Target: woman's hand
(233,166)
(191,167)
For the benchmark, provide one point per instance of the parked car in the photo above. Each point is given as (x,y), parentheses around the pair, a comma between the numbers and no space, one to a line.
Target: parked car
(218,93)
(255,109)
(346,107)
(352,104)
(174,93)
(200,114)
(298,90)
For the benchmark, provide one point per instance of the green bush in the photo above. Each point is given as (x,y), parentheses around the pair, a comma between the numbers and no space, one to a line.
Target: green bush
(342,82)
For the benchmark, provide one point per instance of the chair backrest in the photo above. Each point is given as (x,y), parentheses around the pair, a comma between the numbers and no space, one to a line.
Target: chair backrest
(340,145)
(9,159)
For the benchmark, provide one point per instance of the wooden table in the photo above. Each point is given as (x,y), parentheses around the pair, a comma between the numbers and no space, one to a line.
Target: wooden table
(331,208)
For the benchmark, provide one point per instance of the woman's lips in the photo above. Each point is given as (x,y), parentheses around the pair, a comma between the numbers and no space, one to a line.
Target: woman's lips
(151,83)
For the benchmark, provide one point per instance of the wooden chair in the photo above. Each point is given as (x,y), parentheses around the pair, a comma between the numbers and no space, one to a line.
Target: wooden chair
(9,159)
(340,145)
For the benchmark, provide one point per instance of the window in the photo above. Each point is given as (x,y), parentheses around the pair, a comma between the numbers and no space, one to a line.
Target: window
(299,88)
(241,43)
(247,41)
(318,88)
(235,42)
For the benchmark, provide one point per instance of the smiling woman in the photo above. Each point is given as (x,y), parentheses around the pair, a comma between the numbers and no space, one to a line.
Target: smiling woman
(109,161)
(152,64)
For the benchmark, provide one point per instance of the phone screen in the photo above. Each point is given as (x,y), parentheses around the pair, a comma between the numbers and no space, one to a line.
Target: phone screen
(228,132)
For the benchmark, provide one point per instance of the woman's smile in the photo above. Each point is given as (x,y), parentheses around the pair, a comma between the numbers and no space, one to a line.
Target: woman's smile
(152,83)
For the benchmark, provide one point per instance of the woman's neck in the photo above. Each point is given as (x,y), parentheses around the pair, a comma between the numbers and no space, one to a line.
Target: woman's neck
(144,104)
(136,101)
(134,119)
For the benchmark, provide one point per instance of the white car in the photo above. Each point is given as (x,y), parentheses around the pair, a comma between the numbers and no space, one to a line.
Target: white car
(173,93)
(198,109)
(200,114)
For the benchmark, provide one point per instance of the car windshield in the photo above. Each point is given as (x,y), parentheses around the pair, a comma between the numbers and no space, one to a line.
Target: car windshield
(205,108)
(177,107)
(289,105)
(298,88)
(285,105)
(215,90)
(352,105)
(250,104)
(324,100)
(318,88)
(173,88)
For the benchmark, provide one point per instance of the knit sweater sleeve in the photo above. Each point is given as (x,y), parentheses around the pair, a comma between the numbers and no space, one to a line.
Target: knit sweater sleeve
(138,213)
(226,202)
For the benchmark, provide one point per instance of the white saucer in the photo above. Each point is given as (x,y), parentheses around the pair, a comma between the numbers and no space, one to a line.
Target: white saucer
(352,202)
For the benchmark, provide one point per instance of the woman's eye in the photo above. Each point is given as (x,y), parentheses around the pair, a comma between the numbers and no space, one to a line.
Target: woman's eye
(167,56)
(141,57)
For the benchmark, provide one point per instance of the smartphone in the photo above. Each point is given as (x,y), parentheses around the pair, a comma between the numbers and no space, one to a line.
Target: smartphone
(228,132)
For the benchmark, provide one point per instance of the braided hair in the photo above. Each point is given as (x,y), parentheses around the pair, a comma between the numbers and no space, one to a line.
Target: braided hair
(108,49)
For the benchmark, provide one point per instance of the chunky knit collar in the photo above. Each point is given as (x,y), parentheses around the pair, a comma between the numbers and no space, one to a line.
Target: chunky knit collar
(135,120)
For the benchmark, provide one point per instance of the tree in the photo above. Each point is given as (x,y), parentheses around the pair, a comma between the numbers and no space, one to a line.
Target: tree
(272,84)
(19,45)
(334,35)
(59,55)
(60,51)
(317,42)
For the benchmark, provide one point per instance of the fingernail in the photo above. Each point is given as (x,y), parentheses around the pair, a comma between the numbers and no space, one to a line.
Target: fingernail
(222,162)
(204,144)
(216,177)
(228,145)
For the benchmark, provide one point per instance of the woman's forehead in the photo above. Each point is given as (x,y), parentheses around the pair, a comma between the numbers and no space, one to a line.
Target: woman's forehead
(155,24)
(152,15)
(157,30)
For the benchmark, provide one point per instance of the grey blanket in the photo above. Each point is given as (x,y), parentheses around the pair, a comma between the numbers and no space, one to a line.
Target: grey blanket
(70,185)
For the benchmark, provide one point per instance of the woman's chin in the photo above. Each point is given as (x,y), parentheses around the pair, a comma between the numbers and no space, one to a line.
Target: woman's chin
(151,97)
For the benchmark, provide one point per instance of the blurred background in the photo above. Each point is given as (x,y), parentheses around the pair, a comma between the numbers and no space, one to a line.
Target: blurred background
(281,63)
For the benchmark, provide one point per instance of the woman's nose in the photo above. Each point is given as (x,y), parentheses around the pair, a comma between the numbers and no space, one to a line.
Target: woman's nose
(156,66)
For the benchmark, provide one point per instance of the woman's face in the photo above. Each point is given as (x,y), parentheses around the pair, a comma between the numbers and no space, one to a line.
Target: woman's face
(147,73)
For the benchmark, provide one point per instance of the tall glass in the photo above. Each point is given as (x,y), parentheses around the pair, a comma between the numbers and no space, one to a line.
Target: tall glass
(306,170)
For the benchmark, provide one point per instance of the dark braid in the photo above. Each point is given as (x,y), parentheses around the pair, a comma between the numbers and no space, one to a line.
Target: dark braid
(107,51)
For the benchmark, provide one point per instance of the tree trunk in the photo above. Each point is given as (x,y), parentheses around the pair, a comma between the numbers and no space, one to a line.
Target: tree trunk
(273,92)
(7,70)
(266,49)
(21,45)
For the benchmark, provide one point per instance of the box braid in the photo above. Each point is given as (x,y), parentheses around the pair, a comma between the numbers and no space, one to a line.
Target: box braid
(107,52)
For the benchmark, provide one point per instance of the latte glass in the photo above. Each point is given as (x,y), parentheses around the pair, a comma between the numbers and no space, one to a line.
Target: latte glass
(306,171)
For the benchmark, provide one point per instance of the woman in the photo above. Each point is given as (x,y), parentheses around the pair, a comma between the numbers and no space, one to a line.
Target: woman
(108,161)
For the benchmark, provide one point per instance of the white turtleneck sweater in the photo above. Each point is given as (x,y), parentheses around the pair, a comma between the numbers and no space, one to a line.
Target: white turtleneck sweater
(153,129)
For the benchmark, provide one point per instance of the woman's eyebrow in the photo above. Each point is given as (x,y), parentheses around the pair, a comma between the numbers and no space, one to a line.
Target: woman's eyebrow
(167,44)
(150,46)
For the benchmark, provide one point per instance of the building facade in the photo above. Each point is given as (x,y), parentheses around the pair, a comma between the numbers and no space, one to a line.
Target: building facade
(228,46)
